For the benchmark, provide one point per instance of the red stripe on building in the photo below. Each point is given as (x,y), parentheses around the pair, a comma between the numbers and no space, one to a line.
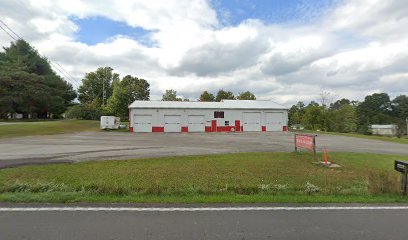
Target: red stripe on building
(157,129)
(184,129)
(263,128)
(130,121)
(225,128)
(208,129)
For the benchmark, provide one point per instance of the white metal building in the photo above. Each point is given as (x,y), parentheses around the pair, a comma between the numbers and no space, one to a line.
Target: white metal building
(385,130)
(224,116)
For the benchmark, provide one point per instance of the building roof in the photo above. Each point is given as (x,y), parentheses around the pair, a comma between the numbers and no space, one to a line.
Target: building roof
(224,104)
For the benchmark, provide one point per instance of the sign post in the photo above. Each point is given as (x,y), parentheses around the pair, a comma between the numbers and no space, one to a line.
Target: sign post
(306,141)
(402,167)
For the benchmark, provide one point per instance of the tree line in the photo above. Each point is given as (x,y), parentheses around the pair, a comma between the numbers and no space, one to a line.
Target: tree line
(345,115)
(103,93)
(171,95)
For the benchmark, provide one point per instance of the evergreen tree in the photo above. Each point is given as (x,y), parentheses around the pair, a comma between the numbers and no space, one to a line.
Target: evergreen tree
(29,85)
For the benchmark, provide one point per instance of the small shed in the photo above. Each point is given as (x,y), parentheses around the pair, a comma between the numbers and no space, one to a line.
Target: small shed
(384,130)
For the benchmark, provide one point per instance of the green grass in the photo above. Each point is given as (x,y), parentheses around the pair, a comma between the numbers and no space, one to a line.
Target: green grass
(403,139)
(47,127)
(244,177)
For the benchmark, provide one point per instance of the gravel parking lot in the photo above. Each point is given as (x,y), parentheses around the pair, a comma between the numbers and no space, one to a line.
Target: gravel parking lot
(123,145)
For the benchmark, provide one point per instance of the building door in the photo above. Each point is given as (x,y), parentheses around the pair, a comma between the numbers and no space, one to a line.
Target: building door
(142,123)
(252,122)
(196,123)
(172,123)
(274,121)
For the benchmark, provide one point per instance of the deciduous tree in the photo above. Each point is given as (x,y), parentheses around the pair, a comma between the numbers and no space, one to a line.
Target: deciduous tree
(171,95)
(246,96)
(221,95)
(207,97)
(97,86)
(125,92)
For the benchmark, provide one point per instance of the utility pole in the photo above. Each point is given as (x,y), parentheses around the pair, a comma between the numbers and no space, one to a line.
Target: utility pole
(103,86)
(103,92)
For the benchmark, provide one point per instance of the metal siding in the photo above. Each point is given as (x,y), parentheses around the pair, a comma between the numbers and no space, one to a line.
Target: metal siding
(231,115)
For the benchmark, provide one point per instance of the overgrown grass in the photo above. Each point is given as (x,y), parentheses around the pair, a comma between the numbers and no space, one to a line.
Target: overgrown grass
(245,177)
(403,139)
(48,127)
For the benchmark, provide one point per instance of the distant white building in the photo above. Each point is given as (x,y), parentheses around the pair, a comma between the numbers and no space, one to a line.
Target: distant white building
(384,130)
(224,116)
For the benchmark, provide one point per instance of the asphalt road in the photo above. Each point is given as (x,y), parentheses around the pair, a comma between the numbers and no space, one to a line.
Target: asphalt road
(207,224)
(123,145)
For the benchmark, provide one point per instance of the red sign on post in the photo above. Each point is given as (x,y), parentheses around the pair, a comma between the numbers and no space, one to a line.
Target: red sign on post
(305,141)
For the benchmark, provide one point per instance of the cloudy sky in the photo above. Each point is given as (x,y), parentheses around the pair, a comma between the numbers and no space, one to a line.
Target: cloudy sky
(284,50)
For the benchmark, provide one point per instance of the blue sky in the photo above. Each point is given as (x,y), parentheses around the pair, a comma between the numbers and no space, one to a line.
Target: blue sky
(350,48)
(93,30)
(272,11)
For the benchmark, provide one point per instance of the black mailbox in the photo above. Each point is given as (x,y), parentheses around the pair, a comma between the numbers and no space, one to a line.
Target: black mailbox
(402,167)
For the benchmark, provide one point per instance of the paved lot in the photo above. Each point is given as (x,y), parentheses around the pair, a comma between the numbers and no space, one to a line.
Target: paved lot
(123,145)
(209,224)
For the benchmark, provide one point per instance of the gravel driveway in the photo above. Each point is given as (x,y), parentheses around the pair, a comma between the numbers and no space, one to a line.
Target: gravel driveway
(123,145)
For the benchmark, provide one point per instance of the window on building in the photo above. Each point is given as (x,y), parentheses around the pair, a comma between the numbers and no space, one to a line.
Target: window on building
(226,123)
(218,114)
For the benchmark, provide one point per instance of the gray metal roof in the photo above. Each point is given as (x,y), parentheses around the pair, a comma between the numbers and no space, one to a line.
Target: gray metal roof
(224,104)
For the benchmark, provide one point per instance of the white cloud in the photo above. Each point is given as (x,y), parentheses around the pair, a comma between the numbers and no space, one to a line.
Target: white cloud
(357,48)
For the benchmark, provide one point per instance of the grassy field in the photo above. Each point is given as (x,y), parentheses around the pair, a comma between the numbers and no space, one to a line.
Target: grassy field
(403,140)
(244,177)
(48,127)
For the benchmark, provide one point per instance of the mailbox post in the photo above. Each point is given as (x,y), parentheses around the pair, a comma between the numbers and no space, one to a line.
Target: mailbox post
(402,167)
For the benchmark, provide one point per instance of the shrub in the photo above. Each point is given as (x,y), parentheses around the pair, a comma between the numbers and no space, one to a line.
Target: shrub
(383,182)
(311,188)
(84,111)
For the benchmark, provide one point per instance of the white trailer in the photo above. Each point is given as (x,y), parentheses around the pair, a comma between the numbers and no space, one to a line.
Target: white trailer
(110,122)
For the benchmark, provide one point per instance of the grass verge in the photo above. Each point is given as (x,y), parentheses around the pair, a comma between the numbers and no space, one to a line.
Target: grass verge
(403,139)
(244,177)
(21,129)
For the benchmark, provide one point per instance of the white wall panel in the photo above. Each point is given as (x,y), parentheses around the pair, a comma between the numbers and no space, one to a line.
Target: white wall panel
(274,121)
(252,121)
(196,123)
(142,123)
(172,123)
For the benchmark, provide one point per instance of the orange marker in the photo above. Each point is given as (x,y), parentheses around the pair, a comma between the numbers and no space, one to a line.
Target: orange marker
(326,161)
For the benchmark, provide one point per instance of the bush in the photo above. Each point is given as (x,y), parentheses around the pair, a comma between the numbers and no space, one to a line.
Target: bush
(383,182)
(311,188)
(84,111)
